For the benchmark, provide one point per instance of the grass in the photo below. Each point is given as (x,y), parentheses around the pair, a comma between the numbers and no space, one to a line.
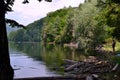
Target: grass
(108,46)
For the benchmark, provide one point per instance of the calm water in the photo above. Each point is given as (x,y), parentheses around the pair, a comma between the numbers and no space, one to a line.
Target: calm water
(26,65)
(35,60)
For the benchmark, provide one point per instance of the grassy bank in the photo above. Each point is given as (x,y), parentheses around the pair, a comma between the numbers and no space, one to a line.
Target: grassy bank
(108,46)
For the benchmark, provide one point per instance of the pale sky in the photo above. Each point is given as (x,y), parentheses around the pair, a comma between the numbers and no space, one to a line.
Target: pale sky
(28,13)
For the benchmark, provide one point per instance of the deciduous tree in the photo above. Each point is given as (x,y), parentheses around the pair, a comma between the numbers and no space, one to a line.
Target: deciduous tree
(110,15)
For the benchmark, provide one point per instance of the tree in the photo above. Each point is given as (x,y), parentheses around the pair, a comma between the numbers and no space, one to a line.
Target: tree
(6,71)
(87,32)
(77,25)
(54,28)
(110,13)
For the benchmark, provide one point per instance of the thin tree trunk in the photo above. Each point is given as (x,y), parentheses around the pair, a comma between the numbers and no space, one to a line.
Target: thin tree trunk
(6,71)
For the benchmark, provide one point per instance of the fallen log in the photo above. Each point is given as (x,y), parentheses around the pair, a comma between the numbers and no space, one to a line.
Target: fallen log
(71,67)
(67,61)
(115,67)
(89,67)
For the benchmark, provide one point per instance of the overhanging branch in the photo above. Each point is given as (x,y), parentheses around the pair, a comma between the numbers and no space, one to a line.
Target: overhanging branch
(13,23)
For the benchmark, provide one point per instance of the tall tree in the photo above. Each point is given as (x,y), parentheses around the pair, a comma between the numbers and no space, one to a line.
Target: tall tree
(6,71)
(110,13)
(87,33)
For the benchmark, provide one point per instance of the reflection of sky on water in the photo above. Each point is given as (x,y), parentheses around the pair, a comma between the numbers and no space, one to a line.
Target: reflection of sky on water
(24,66)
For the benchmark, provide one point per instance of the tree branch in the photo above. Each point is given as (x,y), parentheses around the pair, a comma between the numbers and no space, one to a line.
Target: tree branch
(13,23)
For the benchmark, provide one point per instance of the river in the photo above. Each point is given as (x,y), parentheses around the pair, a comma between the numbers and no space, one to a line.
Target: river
(36,60)
(26,65)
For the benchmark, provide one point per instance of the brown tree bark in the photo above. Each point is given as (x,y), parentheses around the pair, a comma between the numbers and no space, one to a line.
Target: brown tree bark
(6,71)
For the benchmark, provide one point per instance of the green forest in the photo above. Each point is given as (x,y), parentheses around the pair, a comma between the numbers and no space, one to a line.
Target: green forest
(89,25)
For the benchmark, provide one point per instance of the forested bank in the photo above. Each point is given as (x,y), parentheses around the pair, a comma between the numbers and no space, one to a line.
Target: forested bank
(83,25)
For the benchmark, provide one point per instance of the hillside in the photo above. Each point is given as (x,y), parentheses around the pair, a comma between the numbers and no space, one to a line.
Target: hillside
(10,29)
(31,33)
(34,31)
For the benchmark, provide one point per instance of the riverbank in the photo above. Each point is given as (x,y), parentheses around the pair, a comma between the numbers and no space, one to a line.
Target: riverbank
(103,66)
(55,57)
(92,67)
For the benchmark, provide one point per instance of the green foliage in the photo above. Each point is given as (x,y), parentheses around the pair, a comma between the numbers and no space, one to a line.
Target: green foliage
(110,13)
(54,26)
(87,32)
(78,25)
(75,25)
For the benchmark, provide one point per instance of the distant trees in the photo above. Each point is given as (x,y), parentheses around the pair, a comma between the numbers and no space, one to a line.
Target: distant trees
(30,34)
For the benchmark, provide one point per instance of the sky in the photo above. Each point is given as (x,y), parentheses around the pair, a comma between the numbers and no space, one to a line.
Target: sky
(28,13)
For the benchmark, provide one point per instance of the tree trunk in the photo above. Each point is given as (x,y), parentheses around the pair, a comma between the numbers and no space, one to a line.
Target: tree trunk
(6,71)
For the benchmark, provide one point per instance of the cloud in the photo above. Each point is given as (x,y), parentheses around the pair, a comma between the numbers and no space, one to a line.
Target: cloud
(27,13)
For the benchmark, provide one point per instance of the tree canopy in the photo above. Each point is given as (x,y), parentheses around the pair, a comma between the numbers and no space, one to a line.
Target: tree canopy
(110,13)
(77,25)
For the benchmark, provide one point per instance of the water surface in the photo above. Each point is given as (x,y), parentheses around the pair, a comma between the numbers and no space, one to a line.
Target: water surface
(36,60)
(26,66)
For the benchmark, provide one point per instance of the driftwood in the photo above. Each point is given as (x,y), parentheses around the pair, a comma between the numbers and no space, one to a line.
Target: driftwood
(115,67)
(71,67)
(92,66)
(67,61)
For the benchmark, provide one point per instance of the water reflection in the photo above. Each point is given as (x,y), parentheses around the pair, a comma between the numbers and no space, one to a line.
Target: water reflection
(34,56)
(38,60)
(26,66)
(40,52)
